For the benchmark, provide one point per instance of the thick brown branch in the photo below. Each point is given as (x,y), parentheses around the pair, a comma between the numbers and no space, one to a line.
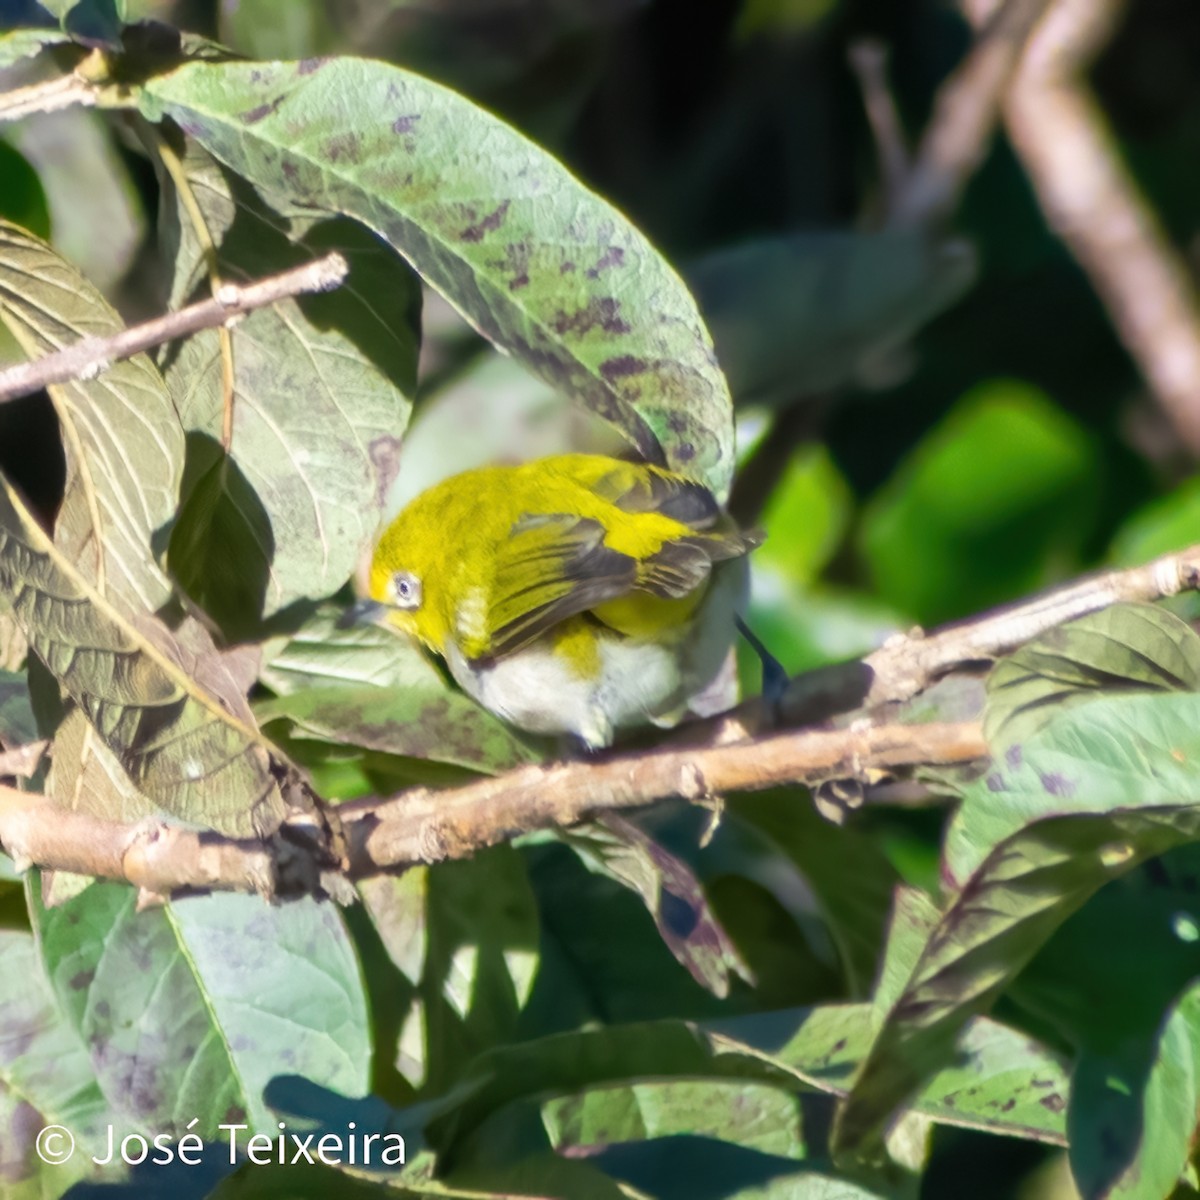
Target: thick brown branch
(427,825)
(91,355)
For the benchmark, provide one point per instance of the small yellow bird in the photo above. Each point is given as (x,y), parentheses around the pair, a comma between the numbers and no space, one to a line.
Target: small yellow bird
(576,594)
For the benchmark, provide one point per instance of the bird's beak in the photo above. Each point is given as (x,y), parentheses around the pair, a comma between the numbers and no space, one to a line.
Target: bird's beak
(363,612)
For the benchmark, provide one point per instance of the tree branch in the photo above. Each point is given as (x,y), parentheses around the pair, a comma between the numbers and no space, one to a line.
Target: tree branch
(91,355)
(705,759)
(965,114)
(1093,204)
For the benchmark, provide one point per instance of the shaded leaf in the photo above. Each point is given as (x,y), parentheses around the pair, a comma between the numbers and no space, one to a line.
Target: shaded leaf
(674,897)
(121,436)
(189,1010)
(994,502)
(1133,1110)
(17,722)
(424,720)
(1021,867)
(799,314)
(76,155)
(465,937)
(173,717)
(46,1077)
(1123,648)
(852,880)
(23,201)
(322,389)
(540,265)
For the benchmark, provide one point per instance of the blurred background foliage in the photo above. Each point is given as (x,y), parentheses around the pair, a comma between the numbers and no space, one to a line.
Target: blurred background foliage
(955,421)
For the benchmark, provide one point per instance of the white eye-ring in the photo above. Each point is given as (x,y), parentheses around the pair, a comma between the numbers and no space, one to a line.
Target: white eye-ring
(406,588)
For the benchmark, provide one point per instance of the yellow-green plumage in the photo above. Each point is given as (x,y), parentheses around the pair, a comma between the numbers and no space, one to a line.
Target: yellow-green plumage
(570,594)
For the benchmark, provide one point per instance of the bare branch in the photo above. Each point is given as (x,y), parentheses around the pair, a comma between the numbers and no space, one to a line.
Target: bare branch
(53,95)
(965,114)
(1093,204)
(909,663)
(706,758)
(91,355)
(428,825)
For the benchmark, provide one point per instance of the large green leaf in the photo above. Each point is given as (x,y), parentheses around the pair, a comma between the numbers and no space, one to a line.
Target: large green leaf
(464,935)
(1123,648)
(540,265)
(322,389)
(796,315)
(994,502)
(1085,799)
(46,1078)
(121,435)
(621,849)
(1134,1106)
(1117,982)
(189,1010)
(166,706)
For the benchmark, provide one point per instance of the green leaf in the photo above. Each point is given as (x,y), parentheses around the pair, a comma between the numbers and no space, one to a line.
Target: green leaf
(432,723)
(121,435)
(755,1115)
(1163,526)
(17,722)
(540,265)
(796,315)
(1116,982)
(93,22)
(46,1078)
(852,879)
(19,44)
(23,201)
(465,937)
(995,502)
(322,653)
(322,389)
(1133,1110)
(219,994)
(1123,648)
(1085,799)
(615,846)
(166,706)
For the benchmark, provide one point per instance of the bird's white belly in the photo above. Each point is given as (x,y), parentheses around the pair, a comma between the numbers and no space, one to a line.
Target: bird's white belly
(635,682)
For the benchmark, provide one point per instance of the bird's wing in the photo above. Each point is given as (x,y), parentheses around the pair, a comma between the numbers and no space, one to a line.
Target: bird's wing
(551,567)
(644,491)
(554,566)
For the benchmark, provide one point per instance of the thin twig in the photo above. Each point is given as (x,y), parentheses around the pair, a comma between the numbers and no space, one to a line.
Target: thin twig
(909,663)
(91,355)
(965,114)
(53,95)
(1092,202)
(869,60)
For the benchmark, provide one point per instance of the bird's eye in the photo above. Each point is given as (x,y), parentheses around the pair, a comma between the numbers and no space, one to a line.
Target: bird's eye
(407,589)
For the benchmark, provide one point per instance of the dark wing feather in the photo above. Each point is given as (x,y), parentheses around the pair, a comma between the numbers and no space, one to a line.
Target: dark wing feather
(682,500)
(552,567)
